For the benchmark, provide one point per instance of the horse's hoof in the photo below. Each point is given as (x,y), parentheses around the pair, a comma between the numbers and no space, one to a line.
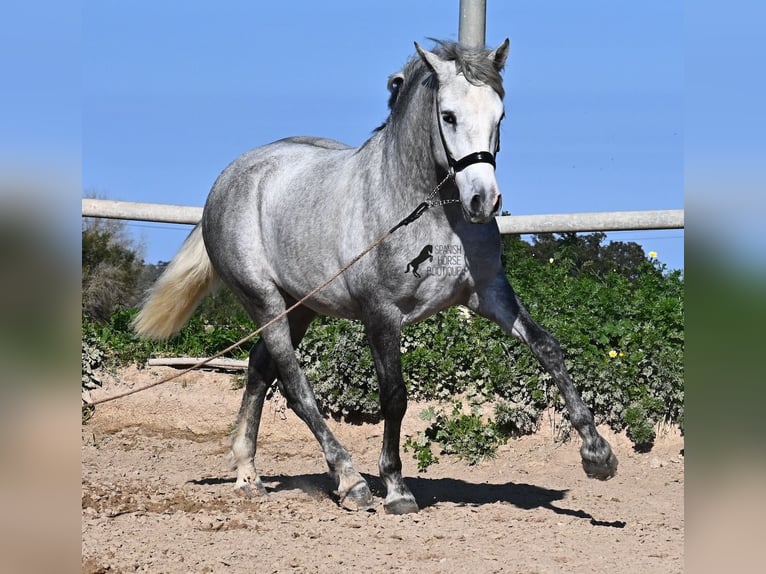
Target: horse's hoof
(598,460)
(359,497)
(404,505)
(246,489)
(601,470)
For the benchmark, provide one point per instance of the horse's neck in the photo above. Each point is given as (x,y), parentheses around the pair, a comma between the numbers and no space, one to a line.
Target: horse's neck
(408,167)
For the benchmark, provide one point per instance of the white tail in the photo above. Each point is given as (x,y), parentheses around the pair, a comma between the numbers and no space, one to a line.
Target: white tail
(174,297)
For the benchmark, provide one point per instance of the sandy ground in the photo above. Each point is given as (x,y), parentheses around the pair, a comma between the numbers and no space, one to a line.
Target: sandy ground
(157,497)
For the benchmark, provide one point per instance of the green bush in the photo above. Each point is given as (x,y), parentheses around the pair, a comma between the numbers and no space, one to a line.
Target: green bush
(421,444)
(622,333)
(623,338)
(198,338)
(619,319)
(465,435)
(515,421)
(92,363)
(339,364)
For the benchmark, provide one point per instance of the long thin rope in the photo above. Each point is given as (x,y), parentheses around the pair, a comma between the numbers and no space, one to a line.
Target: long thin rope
(416,213)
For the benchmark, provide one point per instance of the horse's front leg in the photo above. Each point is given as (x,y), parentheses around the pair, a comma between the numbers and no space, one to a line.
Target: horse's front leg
(384,336)
(499,303)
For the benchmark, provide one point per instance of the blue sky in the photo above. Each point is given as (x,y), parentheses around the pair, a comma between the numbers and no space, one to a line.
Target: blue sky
(172,92)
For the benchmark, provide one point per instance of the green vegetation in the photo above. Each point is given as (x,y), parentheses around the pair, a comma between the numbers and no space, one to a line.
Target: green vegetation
(618,314)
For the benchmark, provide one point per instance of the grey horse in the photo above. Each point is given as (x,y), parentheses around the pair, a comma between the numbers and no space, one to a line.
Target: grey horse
(282,218)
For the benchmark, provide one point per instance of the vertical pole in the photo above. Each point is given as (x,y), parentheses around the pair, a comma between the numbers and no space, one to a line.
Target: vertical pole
(473,20)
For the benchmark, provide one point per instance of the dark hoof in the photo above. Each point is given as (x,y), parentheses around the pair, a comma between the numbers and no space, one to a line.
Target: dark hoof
(401,506)
(598,460)
(358,498)
(601,469)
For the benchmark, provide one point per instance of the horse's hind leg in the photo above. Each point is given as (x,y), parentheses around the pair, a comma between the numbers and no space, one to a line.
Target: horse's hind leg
(261,373)
(279,340)
(499,303)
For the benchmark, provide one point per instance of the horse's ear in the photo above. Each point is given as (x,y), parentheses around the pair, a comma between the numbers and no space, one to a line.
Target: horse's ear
(395,82)
(435,63)
(500,54)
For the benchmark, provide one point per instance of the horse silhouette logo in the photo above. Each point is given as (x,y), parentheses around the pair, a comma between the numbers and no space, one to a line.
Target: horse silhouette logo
(425,253)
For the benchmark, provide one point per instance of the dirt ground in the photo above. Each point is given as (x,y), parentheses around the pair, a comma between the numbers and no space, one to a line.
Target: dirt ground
(157,496)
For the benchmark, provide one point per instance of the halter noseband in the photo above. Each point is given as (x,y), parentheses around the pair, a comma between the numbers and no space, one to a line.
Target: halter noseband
(457,165)
(470,159)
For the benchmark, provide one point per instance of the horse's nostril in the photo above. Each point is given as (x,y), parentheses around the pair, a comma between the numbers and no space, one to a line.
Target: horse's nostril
(496,207)
(475,203)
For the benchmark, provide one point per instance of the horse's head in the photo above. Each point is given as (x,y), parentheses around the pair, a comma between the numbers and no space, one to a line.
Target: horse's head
(466,133)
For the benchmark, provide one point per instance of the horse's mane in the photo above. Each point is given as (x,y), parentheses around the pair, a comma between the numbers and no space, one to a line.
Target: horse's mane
(473,63)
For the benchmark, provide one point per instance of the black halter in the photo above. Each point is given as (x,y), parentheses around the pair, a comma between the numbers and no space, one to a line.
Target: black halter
(454,167)
(457,165)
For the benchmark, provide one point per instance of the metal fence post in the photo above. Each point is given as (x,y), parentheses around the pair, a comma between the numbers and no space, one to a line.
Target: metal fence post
(473,21)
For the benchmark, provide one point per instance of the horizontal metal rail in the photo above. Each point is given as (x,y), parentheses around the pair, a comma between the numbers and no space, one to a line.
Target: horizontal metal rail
(508,224)
(592,221)
(133,210)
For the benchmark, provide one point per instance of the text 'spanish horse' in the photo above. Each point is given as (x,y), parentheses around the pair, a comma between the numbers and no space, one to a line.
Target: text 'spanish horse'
(284,217)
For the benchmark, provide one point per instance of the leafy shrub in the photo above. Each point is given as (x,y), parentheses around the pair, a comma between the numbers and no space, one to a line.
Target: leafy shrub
(515,421)
(420,444)
(640,425)
(619,319)
(465,434)
(92,362)
(338,362)
(422,449)
(111,268)
(198,338)
(468,435)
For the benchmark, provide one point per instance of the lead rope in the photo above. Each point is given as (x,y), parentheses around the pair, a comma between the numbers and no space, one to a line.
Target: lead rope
(416,213)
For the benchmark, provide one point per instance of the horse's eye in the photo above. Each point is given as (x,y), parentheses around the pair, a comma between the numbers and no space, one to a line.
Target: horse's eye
(449,118)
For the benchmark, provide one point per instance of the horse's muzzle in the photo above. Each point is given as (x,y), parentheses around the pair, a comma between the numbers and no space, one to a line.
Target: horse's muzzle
(477,211)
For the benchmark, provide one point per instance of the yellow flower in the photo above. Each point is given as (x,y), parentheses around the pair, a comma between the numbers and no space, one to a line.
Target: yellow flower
(612,353)
(622,354)
(653,254)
